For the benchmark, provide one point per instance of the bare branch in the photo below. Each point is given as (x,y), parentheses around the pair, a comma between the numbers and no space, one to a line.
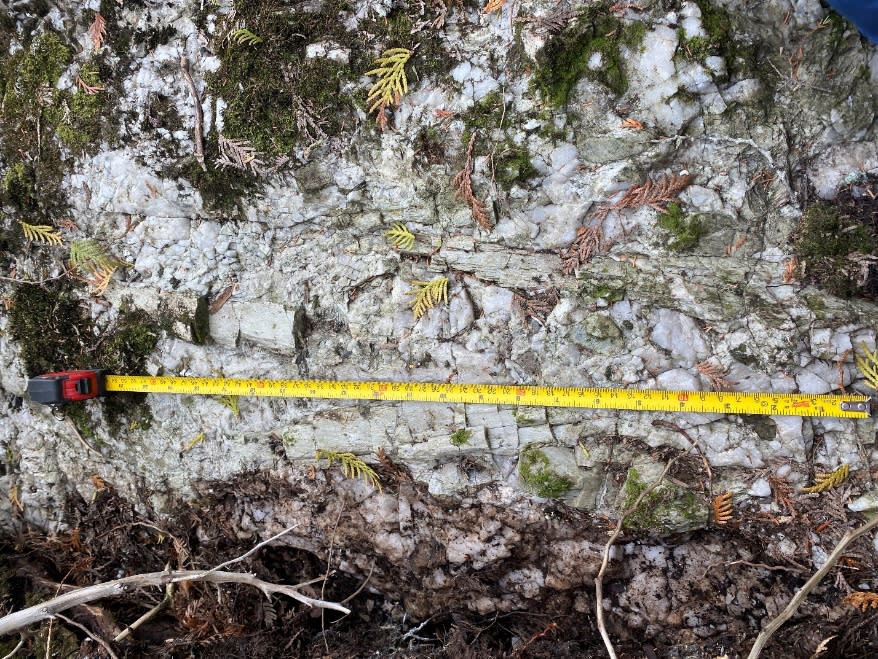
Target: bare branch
(84,629)
(800,596)
(599,579)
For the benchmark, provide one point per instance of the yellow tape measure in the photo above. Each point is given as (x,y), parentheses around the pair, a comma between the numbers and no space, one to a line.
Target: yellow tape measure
(854,406)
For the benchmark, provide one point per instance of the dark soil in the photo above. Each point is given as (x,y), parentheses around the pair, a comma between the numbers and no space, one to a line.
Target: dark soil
(722,584)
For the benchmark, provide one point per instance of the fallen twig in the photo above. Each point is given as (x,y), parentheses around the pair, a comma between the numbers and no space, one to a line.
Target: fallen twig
(802,593)
(599,579)
(84,629)
(198,133)
(117,587)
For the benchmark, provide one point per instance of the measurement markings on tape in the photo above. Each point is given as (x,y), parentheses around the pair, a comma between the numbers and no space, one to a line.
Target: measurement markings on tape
(67,386)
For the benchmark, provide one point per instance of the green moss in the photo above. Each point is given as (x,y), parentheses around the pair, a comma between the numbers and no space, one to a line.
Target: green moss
(826,238)
(460,437)
(603,291)
(512,165)
(536,472)
(78,118)
(565,58)
(51,327)
(686,231)
(485,115)
(125,348)
(667,508)
(18,187)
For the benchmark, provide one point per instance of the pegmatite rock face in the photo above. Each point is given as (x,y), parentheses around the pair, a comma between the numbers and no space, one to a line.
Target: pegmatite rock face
(273,260)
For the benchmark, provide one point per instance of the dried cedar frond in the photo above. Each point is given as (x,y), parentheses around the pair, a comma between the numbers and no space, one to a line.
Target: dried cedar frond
(554,23)
(715,375)
(655,194)
(97,31)
(824,480)
(588,242)
(464,184)
(862,600)
(238,154)
(722,508)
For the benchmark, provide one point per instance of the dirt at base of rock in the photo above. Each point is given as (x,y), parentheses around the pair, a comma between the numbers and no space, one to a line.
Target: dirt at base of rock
(704,595)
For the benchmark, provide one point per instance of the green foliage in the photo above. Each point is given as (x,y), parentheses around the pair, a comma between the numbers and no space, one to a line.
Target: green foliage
(230,402)
(392,83)
(868,366)
(536,472)
(41,233)
(244,37)
(428,294)
(89,257)
(351,466)
(686,231)
(400,237)
(460,437)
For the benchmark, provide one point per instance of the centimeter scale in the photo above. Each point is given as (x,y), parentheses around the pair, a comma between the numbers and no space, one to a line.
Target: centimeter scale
(68,386)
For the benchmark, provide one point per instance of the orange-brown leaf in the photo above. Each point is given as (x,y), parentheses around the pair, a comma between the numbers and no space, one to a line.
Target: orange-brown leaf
(493,5)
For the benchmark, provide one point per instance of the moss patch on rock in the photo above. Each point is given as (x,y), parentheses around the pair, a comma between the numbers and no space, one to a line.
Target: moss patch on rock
(590,47)
(667,508)
(685,230)
(535,470)
(836,243)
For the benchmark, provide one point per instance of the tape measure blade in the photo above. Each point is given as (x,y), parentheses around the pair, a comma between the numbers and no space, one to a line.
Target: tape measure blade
(645,400)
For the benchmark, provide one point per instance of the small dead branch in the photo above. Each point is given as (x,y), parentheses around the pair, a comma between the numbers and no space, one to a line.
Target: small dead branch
(588,242)
(536,307)
(802,593)
(654,194)
(661,423)
(605,561)
(223,297)
(91,90)
(117,587)
(91,635)
(464,184)
(554,23)
(198,132)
